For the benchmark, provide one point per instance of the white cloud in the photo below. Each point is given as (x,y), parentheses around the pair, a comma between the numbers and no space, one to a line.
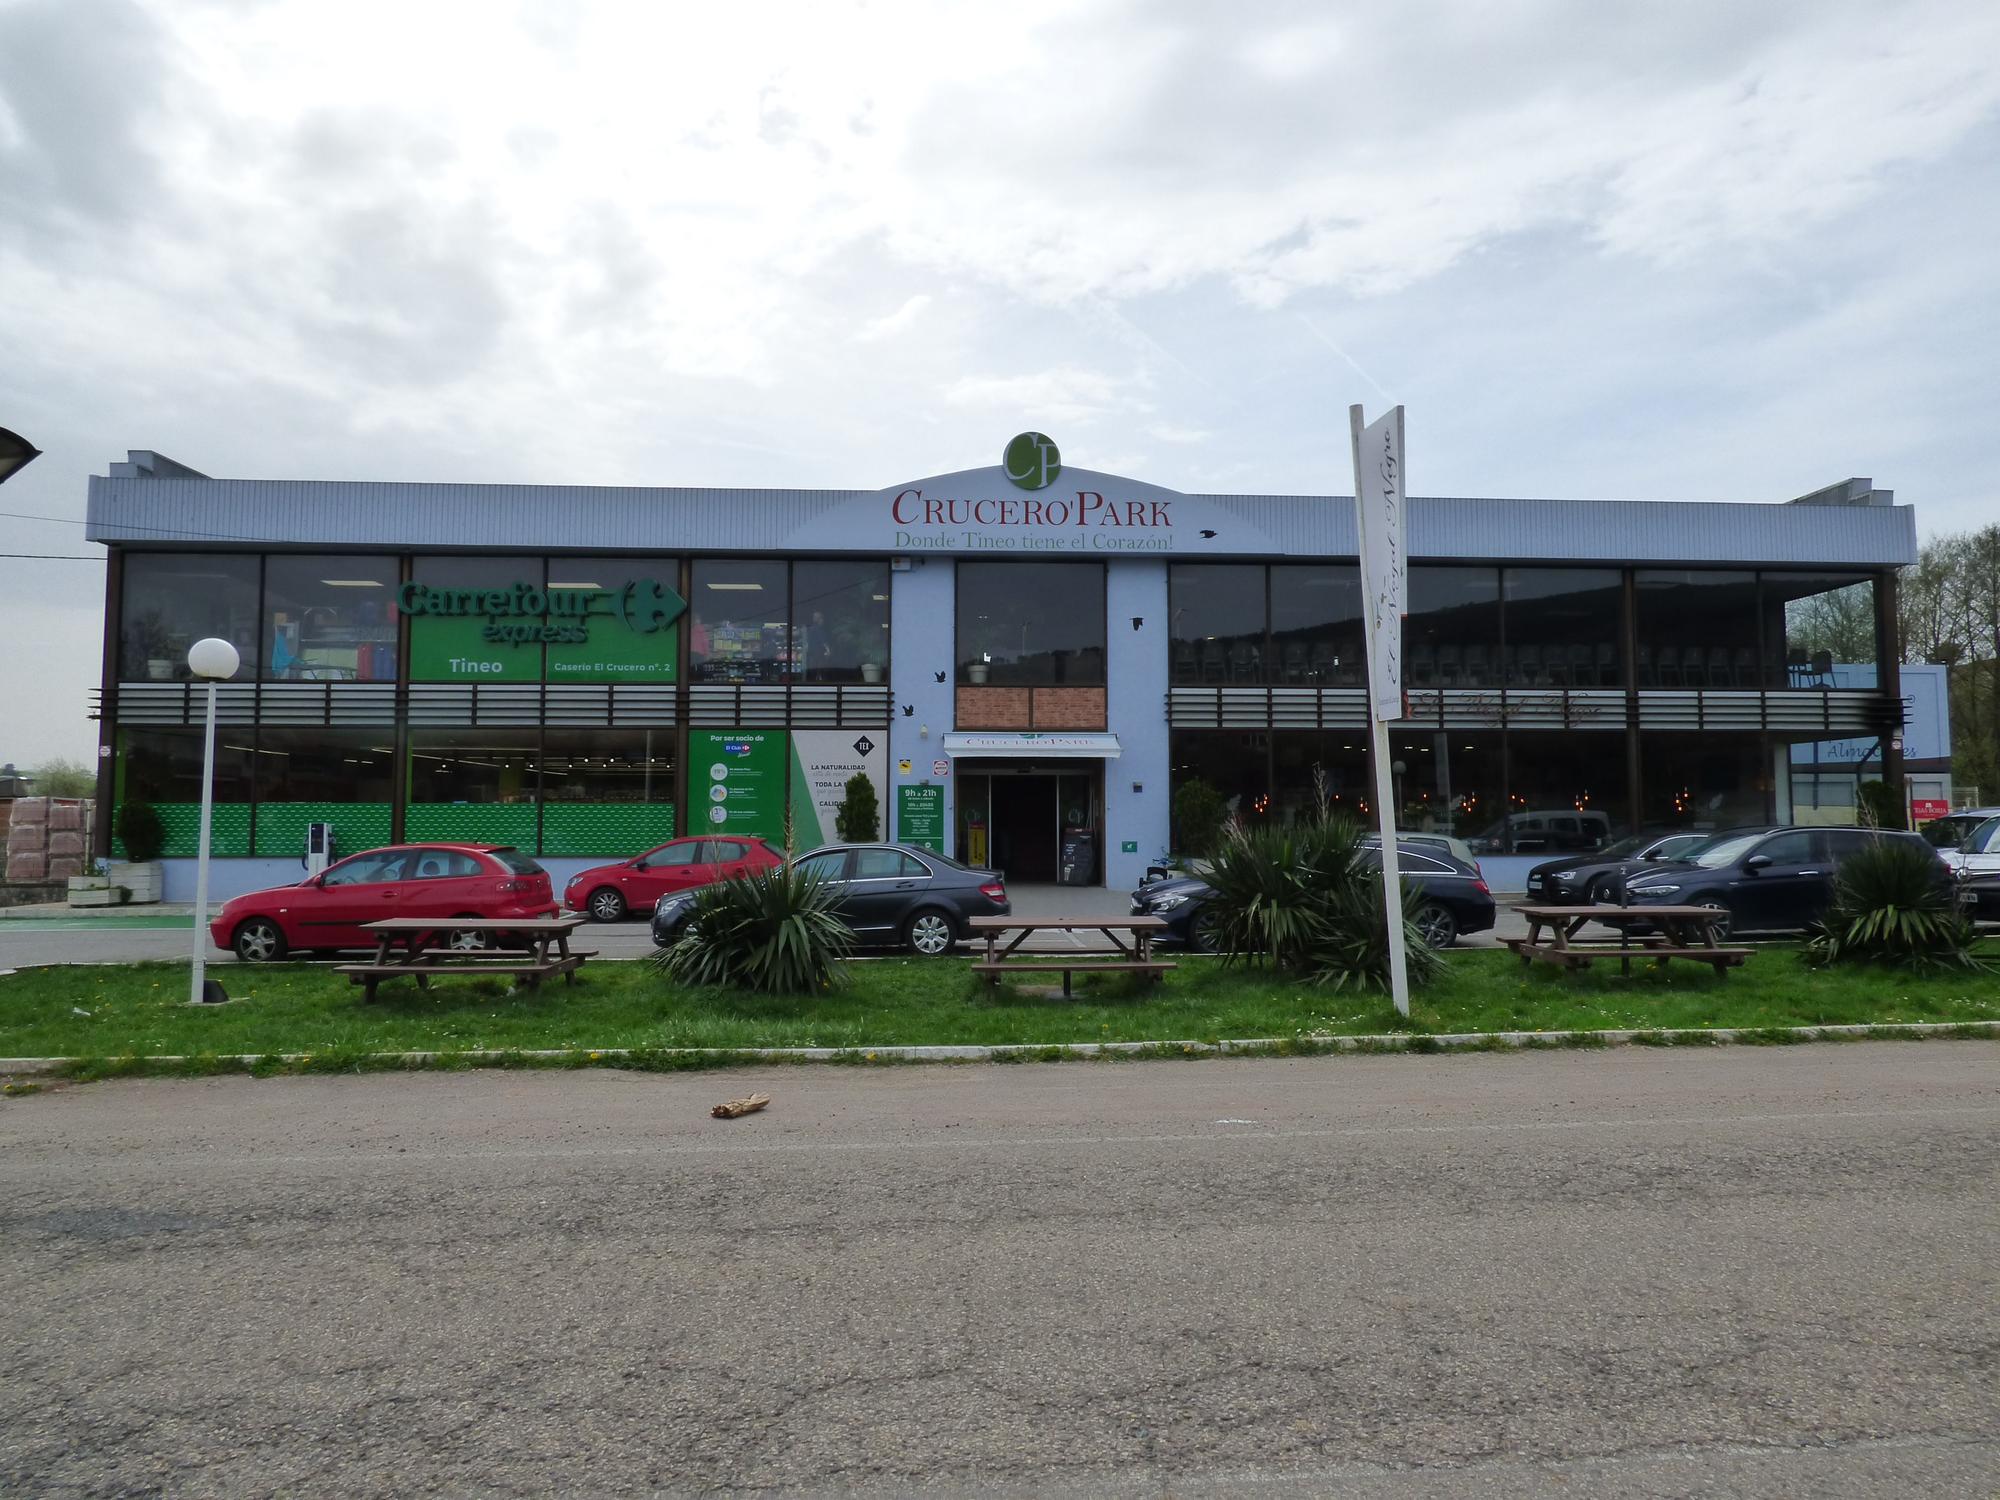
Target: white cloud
(891,324)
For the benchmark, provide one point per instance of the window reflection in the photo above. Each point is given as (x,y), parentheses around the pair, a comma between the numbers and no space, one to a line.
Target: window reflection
(1218,622)
(741,630)
(330,618)
(1031,624)
(172,600)
(1564,627)
(1316,625)
(1451,636)
(840,614)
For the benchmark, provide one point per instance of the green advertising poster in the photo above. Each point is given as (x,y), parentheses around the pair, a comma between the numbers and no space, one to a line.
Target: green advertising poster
(591,630)
(823,762)
(736,782)
(920,816)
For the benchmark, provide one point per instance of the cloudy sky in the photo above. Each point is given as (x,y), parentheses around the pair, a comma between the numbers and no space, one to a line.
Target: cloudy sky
(1598,249)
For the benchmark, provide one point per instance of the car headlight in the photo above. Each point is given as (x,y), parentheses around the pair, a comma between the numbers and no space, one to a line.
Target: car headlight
(1652,890)
(1168,903)
(1565,877)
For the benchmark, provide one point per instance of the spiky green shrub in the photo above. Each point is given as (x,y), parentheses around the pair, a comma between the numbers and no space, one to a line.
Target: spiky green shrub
(1892,905)
(774,932)
(1306,898)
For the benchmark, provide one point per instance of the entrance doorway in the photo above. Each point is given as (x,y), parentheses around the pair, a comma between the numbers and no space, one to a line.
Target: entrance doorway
(1036,822)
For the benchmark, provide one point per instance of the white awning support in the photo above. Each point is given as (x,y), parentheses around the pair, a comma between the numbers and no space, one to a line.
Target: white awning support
(1032,746)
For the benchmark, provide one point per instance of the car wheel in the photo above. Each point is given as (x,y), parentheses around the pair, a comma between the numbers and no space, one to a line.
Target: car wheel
(259,941)
(1724,922)
(1603,892)
(928,934)
(1205,931)
(1436,926)
(468,940)
(605,905)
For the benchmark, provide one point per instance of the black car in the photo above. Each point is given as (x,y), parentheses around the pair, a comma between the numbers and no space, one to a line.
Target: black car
(1582,879)
(1773,879)
(1455,899)
(887,894)
(1979,897)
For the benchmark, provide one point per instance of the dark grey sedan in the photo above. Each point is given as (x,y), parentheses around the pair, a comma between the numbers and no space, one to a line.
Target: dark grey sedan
(888,895)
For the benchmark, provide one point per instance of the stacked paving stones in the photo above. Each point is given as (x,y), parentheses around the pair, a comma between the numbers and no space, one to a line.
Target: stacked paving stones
(48,839)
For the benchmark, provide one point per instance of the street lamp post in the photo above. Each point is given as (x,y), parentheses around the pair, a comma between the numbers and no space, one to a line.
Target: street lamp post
(212,661)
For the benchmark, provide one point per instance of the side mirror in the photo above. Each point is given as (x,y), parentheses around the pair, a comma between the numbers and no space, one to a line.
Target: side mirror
(1757,862)
(1651,856)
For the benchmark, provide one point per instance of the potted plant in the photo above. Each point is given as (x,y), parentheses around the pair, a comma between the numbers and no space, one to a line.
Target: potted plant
(144,836)
(871,671)
(152,644)
(858,819)
(975,673)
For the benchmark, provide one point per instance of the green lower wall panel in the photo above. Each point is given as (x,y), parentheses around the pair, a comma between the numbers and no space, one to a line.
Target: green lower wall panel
(472,823)
(281,826)
(605,827)
(228,829)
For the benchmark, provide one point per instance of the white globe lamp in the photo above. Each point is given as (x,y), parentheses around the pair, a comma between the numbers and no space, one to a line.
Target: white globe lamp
(213,660)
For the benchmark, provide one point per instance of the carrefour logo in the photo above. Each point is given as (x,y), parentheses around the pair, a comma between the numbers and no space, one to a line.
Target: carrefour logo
(526,613)
(1031,461)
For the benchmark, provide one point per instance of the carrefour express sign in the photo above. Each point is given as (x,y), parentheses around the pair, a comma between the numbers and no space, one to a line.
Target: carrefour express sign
(527,614)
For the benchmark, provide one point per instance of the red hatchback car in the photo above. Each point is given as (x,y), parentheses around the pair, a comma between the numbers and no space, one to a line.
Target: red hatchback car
(488,881)
(609,892)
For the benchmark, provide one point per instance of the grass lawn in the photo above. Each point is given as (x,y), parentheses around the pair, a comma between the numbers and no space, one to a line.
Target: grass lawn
(140,1010)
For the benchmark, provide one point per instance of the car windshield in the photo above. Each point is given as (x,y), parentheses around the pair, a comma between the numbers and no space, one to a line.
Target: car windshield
(1718,853)
(516,861)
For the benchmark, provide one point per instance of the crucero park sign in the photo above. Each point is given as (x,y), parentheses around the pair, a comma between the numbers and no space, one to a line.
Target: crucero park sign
(1041,513)
(527,614)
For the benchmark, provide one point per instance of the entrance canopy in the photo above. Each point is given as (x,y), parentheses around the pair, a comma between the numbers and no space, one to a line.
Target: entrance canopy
(1036,746)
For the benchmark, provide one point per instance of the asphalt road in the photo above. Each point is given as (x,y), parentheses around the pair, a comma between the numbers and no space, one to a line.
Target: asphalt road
(1635,1273)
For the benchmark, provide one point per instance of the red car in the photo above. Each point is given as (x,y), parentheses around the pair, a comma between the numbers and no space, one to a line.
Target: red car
(488,881)
(609,892)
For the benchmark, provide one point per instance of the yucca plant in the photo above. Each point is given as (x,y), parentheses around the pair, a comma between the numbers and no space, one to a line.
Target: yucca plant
(1305,898)
(1892,905)
(774,932)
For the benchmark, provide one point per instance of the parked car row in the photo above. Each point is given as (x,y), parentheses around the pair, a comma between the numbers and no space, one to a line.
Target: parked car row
(1763,878)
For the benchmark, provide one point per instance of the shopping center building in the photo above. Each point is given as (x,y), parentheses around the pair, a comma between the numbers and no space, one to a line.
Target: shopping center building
(1028,660)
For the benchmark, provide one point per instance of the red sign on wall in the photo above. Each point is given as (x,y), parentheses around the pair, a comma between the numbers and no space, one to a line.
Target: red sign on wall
(1926,809)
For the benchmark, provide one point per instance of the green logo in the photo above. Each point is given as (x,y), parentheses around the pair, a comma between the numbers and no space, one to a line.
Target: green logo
(1031,461)
(645,606)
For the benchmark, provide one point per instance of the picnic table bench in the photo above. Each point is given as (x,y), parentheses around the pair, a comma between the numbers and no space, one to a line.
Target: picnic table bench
(521,950)
(1684,932)
(1135,957)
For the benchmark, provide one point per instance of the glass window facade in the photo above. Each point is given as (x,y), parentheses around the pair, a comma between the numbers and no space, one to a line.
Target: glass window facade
(840,619)
(456,639)
(1031,624)
(741,630)
(1449,781)
(1293,624)
(1567,792)
(1451,635)
(1822,619)
(1565,627)
(1316,625)
(1218,622)
(162,767)
(171,600)
(330,618)
(1714,780)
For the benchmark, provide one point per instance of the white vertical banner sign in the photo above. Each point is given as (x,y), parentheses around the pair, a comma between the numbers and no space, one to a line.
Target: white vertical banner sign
(1378,508)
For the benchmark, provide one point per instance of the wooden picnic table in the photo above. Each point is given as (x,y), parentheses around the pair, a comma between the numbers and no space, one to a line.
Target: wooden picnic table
(400,951)
(1133,957)
(1684,932)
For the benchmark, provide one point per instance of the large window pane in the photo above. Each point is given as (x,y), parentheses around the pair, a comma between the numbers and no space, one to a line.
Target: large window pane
(1451,636)
(1697,629)
(741,630)
(172,600)
(1564,627)
(612,613)
(1712,780)
(1217,615)
(1566,792)
(474,785)
(1306,765)
(1316,625)
(1234,765)
(1448,781)
(841,612)
(338,776)
(1825,620)
(330,618)
(607,791)
(162,767)
(462,624)
(1031,624)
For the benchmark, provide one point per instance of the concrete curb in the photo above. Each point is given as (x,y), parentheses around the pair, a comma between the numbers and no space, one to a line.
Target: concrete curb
(1395,1041)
